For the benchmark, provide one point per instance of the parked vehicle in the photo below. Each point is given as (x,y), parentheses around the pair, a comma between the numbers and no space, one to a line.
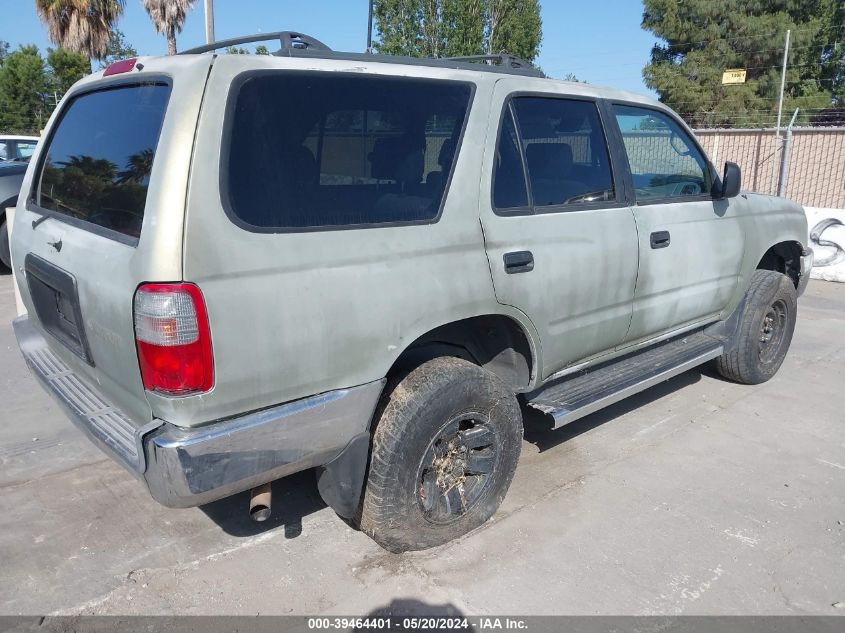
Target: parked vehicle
(17,147)
(238,267)
(11,177)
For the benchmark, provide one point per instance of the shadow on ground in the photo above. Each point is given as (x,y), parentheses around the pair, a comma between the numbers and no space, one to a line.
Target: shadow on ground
(538,429)
(294,498)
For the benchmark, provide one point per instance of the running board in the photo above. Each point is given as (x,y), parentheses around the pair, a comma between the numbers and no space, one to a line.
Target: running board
(575,396)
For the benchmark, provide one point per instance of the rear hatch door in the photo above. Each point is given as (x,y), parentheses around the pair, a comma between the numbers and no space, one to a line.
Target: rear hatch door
(101,211)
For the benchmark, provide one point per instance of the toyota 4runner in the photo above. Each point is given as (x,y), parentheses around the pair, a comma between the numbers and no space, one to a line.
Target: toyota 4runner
(236,267)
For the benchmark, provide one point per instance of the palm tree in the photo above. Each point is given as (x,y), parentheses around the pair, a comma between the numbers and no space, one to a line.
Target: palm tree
(168,17)
(81,26)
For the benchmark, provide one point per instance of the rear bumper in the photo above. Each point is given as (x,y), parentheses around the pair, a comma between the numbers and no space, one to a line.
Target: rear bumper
(185,467)
(806,265)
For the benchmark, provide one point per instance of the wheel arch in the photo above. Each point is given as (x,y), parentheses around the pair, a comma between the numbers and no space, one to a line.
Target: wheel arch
(783,257)
(500,343)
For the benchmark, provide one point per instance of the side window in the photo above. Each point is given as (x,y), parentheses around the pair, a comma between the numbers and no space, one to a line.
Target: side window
(509,190)
(24,150)
(665,163)
(3,151)
(565,151)
(348,150)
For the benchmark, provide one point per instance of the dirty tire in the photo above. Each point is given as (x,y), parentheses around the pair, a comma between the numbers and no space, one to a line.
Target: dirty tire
(5,256)
(765,330)
(416,416)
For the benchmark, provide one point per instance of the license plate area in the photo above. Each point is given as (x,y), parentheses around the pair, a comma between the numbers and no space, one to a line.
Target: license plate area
(56,302)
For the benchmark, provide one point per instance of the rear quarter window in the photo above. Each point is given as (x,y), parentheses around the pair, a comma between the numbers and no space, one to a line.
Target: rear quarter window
(97,162)
(309,150)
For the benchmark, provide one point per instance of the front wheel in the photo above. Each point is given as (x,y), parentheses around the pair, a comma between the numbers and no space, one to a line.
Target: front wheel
(444,452)
(765,330)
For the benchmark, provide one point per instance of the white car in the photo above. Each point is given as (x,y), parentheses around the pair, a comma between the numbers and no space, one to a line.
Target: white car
(17,147)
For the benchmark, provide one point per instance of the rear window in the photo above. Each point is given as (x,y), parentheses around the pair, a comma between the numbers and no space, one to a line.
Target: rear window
(98,160)
(329,150)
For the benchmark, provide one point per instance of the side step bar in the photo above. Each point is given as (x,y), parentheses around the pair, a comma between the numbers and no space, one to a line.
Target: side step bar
(573,397)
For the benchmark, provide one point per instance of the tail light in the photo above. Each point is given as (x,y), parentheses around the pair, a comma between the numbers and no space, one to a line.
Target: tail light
(173,339)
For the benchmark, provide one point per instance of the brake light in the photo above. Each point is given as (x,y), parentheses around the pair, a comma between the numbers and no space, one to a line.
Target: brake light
(173,339)
(122,66)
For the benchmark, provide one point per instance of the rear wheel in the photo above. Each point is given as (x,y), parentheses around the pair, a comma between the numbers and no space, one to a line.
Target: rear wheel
(765,331)
(445,449)
(5,255)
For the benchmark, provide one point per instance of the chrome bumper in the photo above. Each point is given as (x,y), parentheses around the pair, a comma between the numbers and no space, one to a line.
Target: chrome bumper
(806,265)
(185,467)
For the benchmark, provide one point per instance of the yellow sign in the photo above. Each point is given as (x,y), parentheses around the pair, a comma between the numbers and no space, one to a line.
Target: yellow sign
(733,76)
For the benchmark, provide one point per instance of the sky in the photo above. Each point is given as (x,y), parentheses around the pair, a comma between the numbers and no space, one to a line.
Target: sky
(599,41)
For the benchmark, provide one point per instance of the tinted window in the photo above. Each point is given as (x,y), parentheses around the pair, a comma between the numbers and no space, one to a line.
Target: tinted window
(331,150)
(665,163)
(509,177)
(99,158)
(565,151)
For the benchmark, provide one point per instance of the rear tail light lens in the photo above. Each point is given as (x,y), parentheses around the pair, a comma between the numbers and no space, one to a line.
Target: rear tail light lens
(173,339)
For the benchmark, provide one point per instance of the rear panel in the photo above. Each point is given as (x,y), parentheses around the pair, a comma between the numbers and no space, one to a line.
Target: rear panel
(102,210)
(300,310)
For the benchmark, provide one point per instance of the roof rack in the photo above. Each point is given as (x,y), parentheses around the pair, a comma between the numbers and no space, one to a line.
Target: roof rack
(503,59)
(296,44)
(289,40)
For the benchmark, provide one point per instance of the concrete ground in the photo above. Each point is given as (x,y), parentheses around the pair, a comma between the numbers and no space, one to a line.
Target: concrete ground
(696,497)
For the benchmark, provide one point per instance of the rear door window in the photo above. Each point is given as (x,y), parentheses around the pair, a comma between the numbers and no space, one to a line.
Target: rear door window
(97,163)
(330,150)
(565,151)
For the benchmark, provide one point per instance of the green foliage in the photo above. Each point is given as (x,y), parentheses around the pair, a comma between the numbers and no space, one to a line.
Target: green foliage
(236,50)
(514,27)
(23,84)
(4,51)
(118,48)
(261,50)
(702,38)
(448,28)
(66,69)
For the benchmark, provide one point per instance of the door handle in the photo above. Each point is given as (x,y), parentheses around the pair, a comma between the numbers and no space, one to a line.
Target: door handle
(519,262)
(660,239)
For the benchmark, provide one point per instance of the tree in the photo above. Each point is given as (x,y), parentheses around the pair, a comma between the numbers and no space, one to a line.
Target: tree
(514,26)
(262,50)
(80,26)
(449,28)
(168,18)
(66,69)
(702,38)
(4,51)
(23,83)
(118,48)
(833,116)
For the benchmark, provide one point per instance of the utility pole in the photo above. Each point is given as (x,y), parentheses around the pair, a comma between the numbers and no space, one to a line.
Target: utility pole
(783,78)
(209,21)
(780,106)
(370,30)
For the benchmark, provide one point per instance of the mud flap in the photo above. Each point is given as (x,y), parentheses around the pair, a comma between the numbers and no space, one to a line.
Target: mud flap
(341,481)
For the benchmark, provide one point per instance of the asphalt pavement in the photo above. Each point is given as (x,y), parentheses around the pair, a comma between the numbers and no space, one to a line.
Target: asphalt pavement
(698,496)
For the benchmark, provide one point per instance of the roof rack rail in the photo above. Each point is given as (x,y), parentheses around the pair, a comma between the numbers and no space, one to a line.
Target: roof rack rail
(289,40)
(503,59)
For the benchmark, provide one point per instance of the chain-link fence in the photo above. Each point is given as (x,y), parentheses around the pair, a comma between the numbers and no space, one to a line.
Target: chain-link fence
(807,164)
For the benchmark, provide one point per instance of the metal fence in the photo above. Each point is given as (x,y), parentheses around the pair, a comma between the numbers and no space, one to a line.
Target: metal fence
(805,164)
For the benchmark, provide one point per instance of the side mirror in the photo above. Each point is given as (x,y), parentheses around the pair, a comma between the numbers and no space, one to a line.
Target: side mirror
(731,181)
